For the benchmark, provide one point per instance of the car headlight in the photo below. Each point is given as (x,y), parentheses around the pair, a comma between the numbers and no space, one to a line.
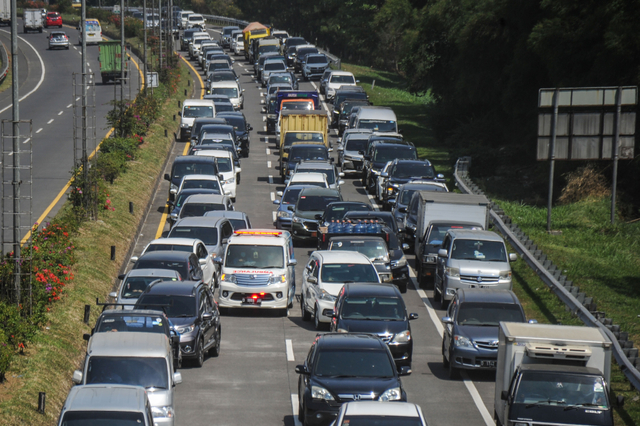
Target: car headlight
(375,172)
(402,337)
(296,219)
(284,214)
(342,330)
(393,394)
(186,329)
(399,263)
(505,275)
(230,180)
(230,278)
(462,341)
(162,412)
(277,279)
(172,186)
(452,272)
(318,392)
(326,296)
(431,258)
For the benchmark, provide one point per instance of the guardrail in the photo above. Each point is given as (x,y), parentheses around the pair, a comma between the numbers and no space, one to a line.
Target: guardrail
(580,305)
(5,62)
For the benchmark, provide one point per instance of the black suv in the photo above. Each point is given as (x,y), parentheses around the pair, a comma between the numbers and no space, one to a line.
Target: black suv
(344,367)
(189,165)
(335,211)
(379,153)
(403,171)
(241,127)
(193,312)
(342,94)
(185,263)
(376,309)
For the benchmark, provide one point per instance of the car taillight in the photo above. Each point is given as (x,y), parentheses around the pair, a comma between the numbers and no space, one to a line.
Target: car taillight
(257,295)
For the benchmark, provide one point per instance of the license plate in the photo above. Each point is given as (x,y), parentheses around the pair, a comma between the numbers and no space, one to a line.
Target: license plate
(314,234)
(91,34)
(251,301)
(488,364)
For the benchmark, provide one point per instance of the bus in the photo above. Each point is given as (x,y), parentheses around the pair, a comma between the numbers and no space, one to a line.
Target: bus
(93,30)
(76,3)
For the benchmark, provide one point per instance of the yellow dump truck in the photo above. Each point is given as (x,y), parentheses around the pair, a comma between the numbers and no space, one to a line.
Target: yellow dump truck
(302,126)
(253,34)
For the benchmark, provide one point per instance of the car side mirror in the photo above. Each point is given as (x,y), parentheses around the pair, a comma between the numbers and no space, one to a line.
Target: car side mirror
(167,177)
(318,217)
(391,201)
(113,294)
(341,174)
(504,395)
(357,81)
(202,262)
(533,321)
(180,113)
(405,246)
(77,377)
(443,253)
(86,336)
(312,280)
(405,370)
(224,241)
(177,377)
(302,369)
(171,203)
(173,191)
(217,260)
(340,182)
(513,257)
(276,201)
(402,209)
(413,316)
(293,262)
(279,193)
(133,259)
(440,176)
(121,276)
(384,174)
(207,316)
(446,320)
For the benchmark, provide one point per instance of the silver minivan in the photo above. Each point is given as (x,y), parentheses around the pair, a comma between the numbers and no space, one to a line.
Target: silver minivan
(471,259)
(137,359)
(381,120)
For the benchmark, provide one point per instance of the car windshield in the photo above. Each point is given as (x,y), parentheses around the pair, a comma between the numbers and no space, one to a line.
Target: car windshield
(208,235)
(132,323)
(270,48)
(199,209)
(90,26)
(192,111)
(274,66)
(137,371)
(438,232)
(422,170)
(291,137)
(353,363)
(343,272)
(373,308)
(222,107)
(308,203)
(254,256)
(178,266)
(344,79)
(238,224)
(222,76)
(224,165)
(279,79)
(384,154)
(317,59)
(194,18)
(546,388)
(375,250)
(378,125)
(169,247)
(298,106)
(338,212)
(176,306)
(309,153)
(486,251)
(291,196)
(182,196)
(231,92)
(201,184)
(102,418)
(222,65)
(356,145)
(182,169)
(488,314)
(133,287)
(380,421)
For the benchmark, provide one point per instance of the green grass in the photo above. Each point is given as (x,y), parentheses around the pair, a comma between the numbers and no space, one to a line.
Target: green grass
(603,260)
(59,349)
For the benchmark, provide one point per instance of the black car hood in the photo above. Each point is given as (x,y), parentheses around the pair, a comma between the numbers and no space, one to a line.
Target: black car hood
(395,254)
(401,180)
(356,385)
(372,326)
(377,165)
(557,414)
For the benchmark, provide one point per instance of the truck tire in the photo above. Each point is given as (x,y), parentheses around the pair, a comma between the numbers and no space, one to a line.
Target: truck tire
(24,30)
(40,29)
(445,361)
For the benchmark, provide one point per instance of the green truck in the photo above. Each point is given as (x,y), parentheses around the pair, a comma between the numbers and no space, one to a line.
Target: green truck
(110,60)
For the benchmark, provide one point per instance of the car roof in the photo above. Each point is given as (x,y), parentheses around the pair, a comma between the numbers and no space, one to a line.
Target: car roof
(404,161)
(377,113)
(372,213)
(349,340)
(199,177)
(340,257)
(197,102)
(126,343)
(166,255)
(310,164)
(154,272)
(206,221)
(176,241)
(372,289)
(487,296)
(475,233)
(357,237)
(173,288)
(224,84)
(206,198)
(335,72)
(377,408)
(131,312)
(229,214)
(193,159)
(108,397)
(308,177)
(258,236)
(316,191)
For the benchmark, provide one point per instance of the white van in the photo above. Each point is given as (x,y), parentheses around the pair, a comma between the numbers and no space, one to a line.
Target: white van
(258,271)
(231,89)
(184,18)
(227,168)
(378,119)
(93,30)
(192,109)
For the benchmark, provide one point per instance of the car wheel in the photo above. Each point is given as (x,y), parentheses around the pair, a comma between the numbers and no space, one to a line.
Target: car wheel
(403,287)
(302,412)
(436,294)
(199,360)
(306,315)
(445,361)
(454,373)
(316,318)
(215,350)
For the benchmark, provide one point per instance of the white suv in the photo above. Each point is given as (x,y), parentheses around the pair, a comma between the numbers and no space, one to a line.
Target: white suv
(337,79)
(323,278)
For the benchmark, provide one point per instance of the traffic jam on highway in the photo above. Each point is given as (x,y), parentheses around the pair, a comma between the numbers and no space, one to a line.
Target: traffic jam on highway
(328,262)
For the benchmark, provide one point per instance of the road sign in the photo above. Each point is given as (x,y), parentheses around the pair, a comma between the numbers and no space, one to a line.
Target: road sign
(152,79)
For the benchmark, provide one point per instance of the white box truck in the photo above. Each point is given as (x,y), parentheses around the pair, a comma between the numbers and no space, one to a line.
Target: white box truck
(32,20)
(552,375)
(5,12)
(427,206)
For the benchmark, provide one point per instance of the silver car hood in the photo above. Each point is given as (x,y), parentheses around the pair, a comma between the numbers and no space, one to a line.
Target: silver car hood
(160,397)
(477,267)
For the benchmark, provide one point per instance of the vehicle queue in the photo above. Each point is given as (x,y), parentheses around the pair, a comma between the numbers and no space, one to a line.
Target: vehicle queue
(213,261)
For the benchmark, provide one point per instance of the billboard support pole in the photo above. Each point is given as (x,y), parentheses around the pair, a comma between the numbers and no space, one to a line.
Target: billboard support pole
(616,153)
(552,157)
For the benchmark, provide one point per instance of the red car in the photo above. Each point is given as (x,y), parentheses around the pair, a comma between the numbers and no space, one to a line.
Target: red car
(53,20)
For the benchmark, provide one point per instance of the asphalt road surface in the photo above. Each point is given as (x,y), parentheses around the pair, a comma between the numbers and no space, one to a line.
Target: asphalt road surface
(253,381)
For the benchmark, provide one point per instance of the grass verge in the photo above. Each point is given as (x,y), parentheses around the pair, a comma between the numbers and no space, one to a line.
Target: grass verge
(59,348)
(603,260)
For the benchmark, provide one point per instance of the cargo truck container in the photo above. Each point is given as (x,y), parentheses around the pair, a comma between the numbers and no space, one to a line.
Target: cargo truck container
(5,12)
(301,126)
(111,61)
(32,20)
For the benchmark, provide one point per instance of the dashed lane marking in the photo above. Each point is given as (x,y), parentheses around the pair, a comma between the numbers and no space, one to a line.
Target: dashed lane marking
(274,214)
(26,140)
(273,196)
(289,346)
(39,130)
(295,407)
(270,180)
(268,151)
(69,106)
(50,121)
(60,113)
(268,164)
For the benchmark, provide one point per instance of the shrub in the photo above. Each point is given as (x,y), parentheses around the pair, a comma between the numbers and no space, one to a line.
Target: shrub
(128,146)
(111,164)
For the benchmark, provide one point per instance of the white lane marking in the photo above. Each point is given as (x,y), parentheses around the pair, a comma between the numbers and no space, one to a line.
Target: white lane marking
(274,215)
(75,48)
(60,113)
(69,106)
(268,151)
(39,130)
(78,98)
(261,94)
(289,346)
(26,140)
(264,118)
(270,180)
(268,164)
(295,407)
(324,105)
(273,196)
(88,64)
(41,76)
(50,121)
(471,387)
(11,153)
(264,129)
(266,140)
(90,71)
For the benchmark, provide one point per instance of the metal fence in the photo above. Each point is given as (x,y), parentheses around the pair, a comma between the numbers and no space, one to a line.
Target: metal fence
(5,62)
(579,304)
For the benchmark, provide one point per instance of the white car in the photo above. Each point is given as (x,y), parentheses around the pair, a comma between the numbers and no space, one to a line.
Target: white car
(238,45)
(231,89)
(323,278)
(183,244)
(380,413)
(199,181)
(227,168)
(380,181)
(309,178)
(192,109)
(337,79)
(196,20)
